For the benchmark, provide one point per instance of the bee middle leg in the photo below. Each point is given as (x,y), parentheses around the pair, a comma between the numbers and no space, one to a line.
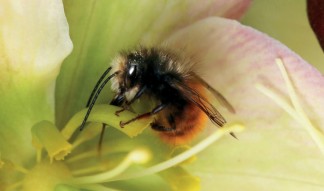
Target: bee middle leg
(144,115)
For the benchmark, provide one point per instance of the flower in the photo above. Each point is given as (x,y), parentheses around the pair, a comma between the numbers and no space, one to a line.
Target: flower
(34,41)
(237,60)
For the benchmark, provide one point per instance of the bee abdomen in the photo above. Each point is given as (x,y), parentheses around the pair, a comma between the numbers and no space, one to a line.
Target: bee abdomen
(186,125)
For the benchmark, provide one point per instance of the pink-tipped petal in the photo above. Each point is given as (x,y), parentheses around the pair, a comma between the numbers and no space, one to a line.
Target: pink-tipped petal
(234,58)
(233,9)
(179,14)
(275,147)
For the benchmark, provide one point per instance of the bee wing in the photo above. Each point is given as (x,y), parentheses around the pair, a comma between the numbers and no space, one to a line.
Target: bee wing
(220,98)
(201,102)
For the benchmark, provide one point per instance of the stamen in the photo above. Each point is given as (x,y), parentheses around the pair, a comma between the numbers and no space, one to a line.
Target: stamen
(137,156)
(180,149)
(93,153)
(187,154)
(278,100)
(45,134)
(84,155)
(297,112)
(313,131)
(20,169)
(95,187)
(99,167)
(89,170)
(87,134)
(105,114)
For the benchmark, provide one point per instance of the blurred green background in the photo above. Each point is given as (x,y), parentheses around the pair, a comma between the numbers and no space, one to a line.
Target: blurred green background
(286,20)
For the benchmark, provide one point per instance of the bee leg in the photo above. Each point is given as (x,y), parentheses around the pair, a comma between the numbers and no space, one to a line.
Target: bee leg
(124,107)
(128,103)
(144,115)
(121,110)
(118,100)
(101,139)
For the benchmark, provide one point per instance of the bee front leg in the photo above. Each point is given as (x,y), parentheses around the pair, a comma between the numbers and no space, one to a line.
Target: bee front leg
(139,93)
(121,110)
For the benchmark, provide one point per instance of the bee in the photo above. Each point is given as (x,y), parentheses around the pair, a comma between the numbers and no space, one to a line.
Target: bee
(182,106)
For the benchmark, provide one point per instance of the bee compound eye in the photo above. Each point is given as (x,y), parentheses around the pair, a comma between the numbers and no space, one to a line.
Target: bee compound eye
(132,71)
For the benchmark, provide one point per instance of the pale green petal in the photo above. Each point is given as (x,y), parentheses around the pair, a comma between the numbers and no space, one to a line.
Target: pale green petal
(287,21)
(34,40)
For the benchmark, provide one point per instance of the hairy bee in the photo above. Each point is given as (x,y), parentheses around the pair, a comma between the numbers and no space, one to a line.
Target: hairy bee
(182,105)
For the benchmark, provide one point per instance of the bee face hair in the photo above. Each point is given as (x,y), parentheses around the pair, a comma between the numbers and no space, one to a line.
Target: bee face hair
(139,66)
(128,79)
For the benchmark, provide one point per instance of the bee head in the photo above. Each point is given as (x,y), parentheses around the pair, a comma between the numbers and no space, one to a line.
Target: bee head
(128,80)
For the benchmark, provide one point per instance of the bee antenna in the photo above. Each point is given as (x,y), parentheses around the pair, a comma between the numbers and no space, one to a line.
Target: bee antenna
(97,85)
(95,96)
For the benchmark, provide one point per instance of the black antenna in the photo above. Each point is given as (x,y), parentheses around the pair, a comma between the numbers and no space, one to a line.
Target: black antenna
(97,85)
(95,96)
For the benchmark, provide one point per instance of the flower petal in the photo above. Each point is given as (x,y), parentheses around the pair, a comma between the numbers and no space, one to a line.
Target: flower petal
(34,39)
(274,148)
(232,9)
(172,19)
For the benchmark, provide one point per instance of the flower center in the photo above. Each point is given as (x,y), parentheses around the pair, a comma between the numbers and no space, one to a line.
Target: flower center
(46,176)
(88,170)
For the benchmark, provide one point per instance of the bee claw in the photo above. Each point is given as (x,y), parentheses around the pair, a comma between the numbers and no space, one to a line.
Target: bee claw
(121,124)
(119,111)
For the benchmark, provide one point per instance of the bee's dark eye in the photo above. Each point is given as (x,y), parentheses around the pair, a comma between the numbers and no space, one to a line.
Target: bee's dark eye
(132,75)
(132,72)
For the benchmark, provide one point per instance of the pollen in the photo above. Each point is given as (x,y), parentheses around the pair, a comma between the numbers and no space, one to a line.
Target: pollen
(140,156)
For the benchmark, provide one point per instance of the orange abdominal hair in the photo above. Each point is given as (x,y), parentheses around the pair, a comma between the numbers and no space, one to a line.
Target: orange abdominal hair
(189,123)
